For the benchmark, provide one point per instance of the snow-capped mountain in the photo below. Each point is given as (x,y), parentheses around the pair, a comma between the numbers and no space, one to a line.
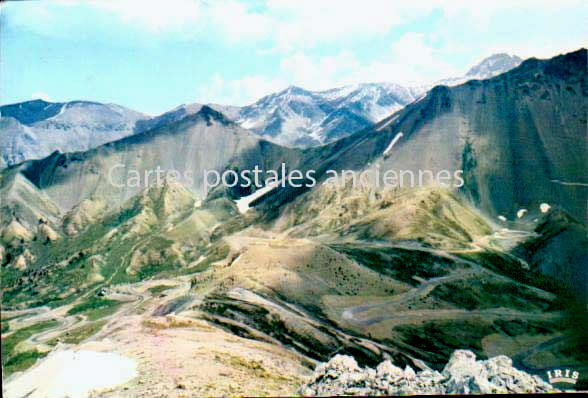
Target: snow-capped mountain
(493,65)
(35,129)
(298,117)
(294,117)
(489,67)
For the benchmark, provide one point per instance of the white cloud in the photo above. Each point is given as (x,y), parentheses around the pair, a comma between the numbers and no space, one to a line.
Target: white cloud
(232,20)
(319,73)
(242,91)
(297,69)
(412,48)
(307,23)
(290,25)
(41,95)
(152,15)
(251,88)
(237,23)
(318,44)
(411,60)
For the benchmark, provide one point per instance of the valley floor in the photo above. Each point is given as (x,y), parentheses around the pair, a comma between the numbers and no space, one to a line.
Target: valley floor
(205,301)
(181,350)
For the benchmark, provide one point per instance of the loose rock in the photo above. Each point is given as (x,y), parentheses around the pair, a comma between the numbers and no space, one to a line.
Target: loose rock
(463,374)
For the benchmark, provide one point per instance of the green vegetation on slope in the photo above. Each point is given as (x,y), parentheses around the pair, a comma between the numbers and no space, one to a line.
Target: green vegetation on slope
(155,290)
(79,334)
(95,308)
(22,361)
(11,361)
(401,264)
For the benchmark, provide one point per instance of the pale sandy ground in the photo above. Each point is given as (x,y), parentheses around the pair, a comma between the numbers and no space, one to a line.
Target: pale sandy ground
(138,355)
(72,374)
(182,357)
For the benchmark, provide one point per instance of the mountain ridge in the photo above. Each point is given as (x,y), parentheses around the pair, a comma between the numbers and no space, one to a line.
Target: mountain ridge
(34,129)
(293,117)
(363,104)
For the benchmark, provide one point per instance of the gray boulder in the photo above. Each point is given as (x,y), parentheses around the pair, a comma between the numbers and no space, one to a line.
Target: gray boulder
(463,374)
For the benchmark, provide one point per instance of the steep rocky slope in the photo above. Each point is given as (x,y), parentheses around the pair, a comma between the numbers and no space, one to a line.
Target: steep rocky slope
(303,118)
(559,249)
(520,138)
(117,171)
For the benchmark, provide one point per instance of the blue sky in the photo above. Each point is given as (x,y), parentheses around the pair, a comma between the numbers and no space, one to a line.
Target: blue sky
(153,56)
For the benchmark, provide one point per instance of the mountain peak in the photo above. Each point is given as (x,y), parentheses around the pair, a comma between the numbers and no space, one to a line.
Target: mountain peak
(493,65)
(208,113)
(285,92)
(292,88)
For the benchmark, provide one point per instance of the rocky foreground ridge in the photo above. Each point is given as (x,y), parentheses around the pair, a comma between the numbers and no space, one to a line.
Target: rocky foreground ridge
(462,375)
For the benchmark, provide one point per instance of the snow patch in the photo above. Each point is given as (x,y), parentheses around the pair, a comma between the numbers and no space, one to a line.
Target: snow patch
(244,202)
(63,108)
(581,184)
(72,374)
(394,141)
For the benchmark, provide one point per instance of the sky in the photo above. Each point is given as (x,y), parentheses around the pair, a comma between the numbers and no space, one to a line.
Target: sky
(152,56)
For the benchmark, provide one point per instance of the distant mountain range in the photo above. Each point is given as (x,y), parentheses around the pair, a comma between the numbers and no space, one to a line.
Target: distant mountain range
(408,273)
(34,129)
(302,118)
(294,117)
(523,128)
